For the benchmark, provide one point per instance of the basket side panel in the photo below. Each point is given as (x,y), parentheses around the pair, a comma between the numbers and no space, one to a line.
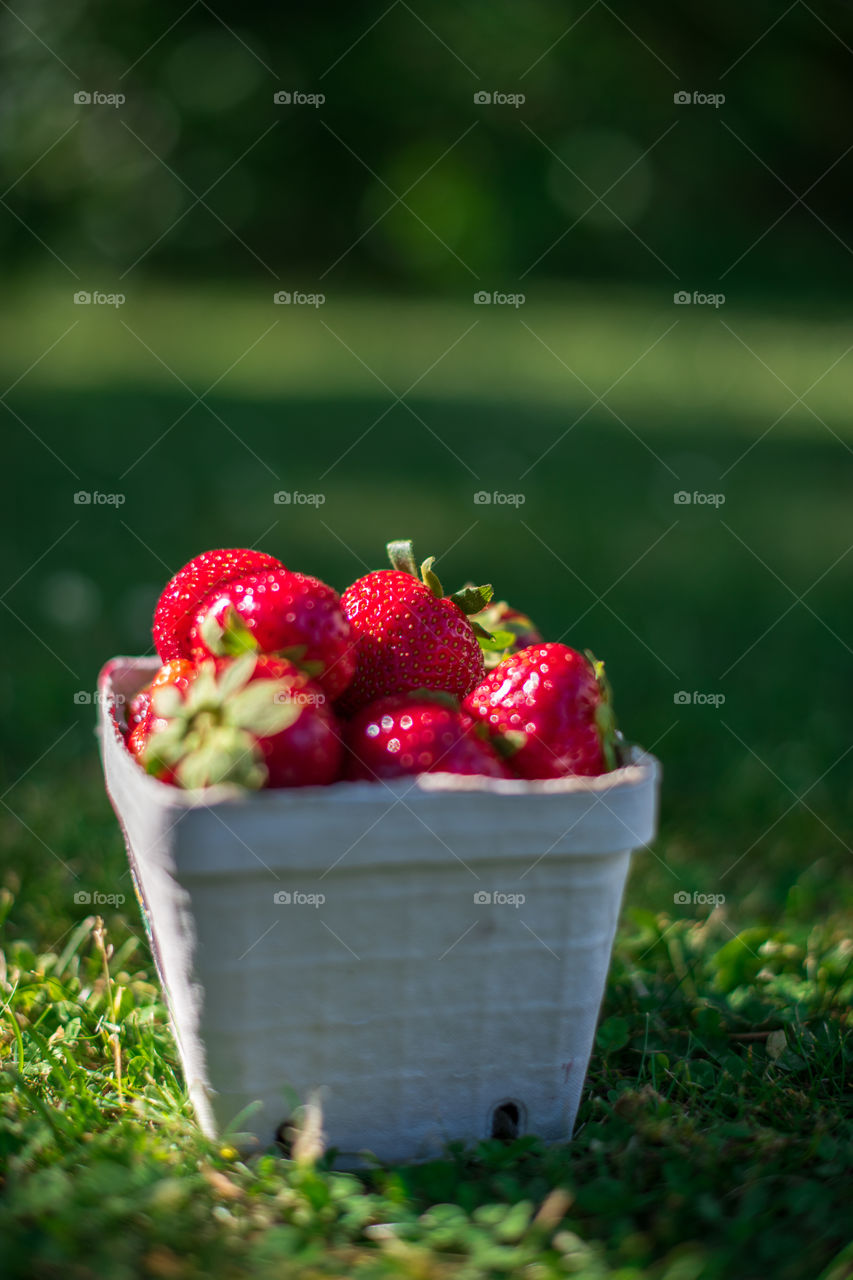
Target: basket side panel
(412,1007)
(150,834)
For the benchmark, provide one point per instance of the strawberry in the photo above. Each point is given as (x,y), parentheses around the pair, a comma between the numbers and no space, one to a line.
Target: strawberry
(409,634)
(420,732)
(141,718)
(176,672)
(140,705)
(256,720)
(137,738)
(137,742)
(552,705)
(182,595)
(281,612)
(511,631)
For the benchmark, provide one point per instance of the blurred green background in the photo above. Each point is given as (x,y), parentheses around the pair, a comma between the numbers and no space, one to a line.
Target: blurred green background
(580,412)
(484,189)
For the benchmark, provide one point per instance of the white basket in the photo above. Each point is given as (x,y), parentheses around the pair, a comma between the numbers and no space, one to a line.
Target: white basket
(418,1012)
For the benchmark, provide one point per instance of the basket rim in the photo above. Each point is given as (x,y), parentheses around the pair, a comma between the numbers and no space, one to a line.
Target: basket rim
(643,769)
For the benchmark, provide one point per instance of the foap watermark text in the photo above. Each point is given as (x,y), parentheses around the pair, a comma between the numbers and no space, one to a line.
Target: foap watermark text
(294,298)
(83,298)
(683,498)
(296,98)
(684,698)
(497,98)
(296,498)
(482,498)
(696,98)
(684,899)
(84,98)
(484,898)
(494,297)
(83,698)
(684,298)
(94,498)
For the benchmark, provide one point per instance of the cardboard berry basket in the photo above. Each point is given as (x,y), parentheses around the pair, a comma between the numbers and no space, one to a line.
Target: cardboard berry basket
(428,957)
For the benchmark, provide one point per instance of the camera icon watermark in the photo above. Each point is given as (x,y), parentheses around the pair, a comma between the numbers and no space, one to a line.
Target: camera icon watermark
(482,498)
(684,899)
(296,98)
(488,297)
(83,98)
(296,498)
(682,498)
(497,98)
(695,97)
(683,298)
(285,298)
(94,497)
(483,898)
(684,698)
(284,898)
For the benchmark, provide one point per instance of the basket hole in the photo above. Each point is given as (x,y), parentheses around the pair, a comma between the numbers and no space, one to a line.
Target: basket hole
(284,1137)
(507,1120)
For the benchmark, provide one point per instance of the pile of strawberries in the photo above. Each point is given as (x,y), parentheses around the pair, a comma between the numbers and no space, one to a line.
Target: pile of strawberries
(270,679)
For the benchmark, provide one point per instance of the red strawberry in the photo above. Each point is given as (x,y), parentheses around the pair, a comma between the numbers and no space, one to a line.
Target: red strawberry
(257,721)
(137,742)
(553,704)
(176,672)
(409,634)
(141,718)
(511,631)
(139,707)
(410,733)
(278,611)
(137,738)
(181,597)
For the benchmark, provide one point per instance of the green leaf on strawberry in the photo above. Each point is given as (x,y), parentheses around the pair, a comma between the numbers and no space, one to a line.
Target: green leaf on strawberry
(229,637)
(492,641)
(605,718)
(409,634)
(255,721)
(470,599)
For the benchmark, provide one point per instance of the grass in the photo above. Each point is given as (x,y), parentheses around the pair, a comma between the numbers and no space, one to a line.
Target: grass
(712,1139)
(715,1132)
(733,361)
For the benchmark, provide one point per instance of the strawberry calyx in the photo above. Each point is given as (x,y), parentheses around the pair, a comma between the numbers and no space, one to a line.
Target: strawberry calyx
(506,744)
(495,644)
(605,719)
(401,553)
(470,599)
(230,637)
(510,631)
(212,732)
(296,654)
